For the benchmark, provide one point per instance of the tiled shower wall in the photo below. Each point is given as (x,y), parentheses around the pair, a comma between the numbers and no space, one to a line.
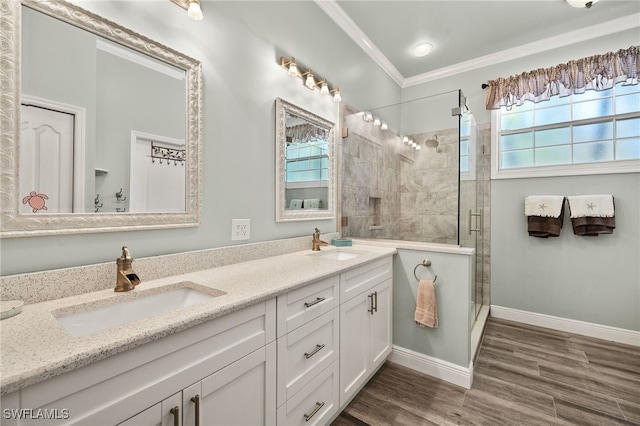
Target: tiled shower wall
(395,192)
(391,191)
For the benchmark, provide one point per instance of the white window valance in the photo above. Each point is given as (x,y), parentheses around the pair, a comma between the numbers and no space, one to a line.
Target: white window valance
(597,72)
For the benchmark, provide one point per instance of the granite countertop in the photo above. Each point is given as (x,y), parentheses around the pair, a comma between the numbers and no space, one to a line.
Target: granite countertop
(35,347)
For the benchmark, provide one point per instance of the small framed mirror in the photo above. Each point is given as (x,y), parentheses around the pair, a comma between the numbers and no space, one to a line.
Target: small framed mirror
(304,164)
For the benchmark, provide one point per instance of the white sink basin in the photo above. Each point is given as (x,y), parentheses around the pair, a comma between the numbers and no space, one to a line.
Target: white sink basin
(337,254)
(134,307)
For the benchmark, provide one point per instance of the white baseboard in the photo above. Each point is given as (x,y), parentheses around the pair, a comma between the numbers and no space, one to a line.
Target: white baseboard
(598,331)
(434,367)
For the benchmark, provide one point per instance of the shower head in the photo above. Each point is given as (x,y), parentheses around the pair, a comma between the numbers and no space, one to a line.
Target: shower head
(432,142)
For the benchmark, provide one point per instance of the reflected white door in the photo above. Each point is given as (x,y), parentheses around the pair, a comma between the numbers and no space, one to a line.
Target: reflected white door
(46,161)
(156,185)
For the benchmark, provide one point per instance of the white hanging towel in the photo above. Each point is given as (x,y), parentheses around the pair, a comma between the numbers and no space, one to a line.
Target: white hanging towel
(543,205)
(591,206)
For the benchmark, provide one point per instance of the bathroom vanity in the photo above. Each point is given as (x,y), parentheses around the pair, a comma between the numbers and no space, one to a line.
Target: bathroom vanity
(283,340)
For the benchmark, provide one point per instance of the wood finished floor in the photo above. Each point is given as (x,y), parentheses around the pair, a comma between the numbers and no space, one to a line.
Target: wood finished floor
(523,376)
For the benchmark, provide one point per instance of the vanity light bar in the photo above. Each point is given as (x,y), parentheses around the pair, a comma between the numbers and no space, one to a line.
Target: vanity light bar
(308,79)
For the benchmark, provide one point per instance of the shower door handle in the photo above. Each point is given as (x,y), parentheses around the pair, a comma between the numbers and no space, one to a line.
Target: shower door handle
(471,215)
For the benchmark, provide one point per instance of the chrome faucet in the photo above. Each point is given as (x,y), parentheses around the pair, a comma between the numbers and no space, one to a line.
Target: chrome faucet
(126,278)
(317,242)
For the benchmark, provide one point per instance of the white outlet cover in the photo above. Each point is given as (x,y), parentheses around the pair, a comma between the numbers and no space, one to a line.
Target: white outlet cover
(240,229)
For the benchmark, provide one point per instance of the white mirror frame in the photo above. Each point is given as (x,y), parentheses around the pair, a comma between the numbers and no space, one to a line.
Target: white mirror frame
(14,224)
(282,213)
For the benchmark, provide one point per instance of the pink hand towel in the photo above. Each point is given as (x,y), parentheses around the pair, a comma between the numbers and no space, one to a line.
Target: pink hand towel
(426,306)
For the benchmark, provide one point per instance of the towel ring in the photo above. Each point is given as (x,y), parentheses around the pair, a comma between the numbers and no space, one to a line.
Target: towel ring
(426,263)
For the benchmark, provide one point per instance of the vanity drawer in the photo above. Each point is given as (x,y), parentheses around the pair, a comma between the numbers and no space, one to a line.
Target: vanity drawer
(363,278)
(316,403)
(305,352)
(307,303)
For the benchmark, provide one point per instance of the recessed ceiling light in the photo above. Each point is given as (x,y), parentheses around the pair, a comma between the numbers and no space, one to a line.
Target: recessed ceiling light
(421,49)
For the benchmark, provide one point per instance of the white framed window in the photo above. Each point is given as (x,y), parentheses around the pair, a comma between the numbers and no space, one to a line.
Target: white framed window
(594,132)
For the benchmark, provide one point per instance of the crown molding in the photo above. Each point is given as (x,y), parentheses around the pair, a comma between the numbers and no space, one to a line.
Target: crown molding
(339,16)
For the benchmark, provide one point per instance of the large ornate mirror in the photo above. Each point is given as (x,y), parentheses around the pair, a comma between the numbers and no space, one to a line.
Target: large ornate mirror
(304,164)
(100,125)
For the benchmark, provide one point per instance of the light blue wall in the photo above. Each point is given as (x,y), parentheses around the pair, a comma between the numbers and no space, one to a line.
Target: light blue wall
(450,341)
(592,279)
(239,44)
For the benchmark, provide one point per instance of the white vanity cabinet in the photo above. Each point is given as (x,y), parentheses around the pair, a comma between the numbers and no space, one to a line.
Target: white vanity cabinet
(365,324)
(308,351)
(229,362)
(239,394)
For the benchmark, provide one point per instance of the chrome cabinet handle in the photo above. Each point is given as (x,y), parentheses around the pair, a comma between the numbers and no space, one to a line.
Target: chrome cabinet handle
(371,300)
(176,415)
(315,302)
(196,400)
(375,298)
(313,352)
(308,417)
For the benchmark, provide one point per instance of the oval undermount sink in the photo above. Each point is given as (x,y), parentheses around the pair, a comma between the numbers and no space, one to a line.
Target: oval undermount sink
(340,254)
(88,318)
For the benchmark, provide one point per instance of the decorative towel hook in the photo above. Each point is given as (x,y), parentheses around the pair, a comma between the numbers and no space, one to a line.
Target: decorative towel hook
(119,197)
(426,263)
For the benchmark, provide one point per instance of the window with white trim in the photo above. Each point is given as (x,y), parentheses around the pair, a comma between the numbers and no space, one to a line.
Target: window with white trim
(587,133)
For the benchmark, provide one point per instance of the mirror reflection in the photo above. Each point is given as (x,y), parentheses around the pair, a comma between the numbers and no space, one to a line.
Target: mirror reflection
(92,112)
(103,126)
(304,147)
(306,165)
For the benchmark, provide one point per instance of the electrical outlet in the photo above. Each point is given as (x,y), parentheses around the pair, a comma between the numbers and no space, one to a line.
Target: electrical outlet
(240,229)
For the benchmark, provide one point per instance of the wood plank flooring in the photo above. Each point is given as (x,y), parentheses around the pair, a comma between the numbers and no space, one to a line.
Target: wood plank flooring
(523,375)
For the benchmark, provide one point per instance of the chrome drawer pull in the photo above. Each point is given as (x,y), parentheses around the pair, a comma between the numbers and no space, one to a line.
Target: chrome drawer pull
(308,417)
(371,300)
(313,352)
(315,302)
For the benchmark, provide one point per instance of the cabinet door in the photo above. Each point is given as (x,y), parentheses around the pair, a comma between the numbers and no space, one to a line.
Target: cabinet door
(354,345)
(381,327)
(165,413)
(242,393)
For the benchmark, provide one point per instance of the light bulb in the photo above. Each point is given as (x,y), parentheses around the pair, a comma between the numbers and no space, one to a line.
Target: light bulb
(336,95)
(194,12)
(384,126)
(310,82)
(405,139)
(293,68)
(376,121)
(324,88)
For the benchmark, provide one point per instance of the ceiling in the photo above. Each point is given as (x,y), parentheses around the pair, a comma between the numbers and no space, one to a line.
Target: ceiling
(471,34)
